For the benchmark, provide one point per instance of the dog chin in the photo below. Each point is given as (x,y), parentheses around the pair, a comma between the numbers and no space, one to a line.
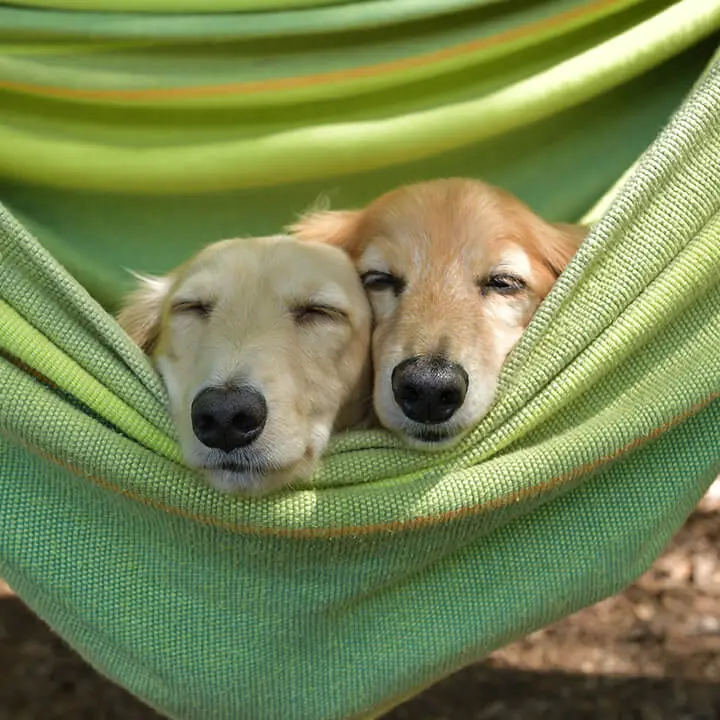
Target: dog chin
(256,480)
(243,482)
(431,438)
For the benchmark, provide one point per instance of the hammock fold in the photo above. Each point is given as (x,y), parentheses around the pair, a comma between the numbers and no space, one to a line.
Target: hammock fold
(391,568)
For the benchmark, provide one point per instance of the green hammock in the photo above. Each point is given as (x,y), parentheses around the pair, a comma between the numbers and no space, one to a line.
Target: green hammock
(133,134)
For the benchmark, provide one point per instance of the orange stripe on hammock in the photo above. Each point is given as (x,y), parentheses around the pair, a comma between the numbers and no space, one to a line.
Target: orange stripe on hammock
(387,527)
(260,86)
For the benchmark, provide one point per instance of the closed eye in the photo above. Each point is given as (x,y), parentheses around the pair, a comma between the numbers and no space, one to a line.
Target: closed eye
(502,283)
(306,314)
(377,281)
(200,308)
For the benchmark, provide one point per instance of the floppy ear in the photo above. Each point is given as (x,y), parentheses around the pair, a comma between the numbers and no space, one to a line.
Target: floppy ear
(140,316)
(333,227)
(561,243)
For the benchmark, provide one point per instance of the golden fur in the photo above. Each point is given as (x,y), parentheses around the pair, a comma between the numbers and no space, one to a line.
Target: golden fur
(473,264)
(287,318)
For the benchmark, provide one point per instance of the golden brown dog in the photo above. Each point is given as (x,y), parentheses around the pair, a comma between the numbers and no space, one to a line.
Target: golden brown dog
(455,270)
(263,345)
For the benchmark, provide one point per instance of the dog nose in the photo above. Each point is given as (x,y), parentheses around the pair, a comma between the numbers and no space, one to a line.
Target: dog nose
(429,389)
(228,418)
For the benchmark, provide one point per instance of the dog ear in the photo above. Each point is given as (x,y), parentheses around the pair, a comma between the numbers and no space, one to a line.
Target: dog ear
(141,314)
(560,244)
(333,227)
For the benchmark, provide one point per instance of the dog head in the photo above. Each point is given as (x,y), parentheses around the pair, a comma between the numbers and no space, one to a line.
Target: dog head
(263,345)
(455,270)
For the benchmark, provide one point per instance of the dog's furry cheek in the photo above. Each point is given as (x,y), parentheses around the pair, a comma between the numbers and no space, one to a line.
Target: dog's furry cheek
(172,387)
(497,352)
(383,304)
(320,436)
(507,313)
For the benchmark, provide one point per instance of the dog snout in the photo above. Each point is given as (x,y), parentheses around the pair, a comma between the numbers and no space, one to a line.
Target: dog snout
(429,389)
(228,418)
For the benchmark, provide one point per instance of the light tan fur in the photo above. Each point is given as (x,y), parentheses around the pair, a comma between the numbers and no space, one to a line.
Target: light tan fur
(315,375)
(445,238)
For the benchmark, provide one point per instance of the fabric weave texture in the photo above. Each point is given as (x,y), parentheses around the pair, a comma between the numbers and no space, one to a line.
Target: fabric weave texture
(391,568)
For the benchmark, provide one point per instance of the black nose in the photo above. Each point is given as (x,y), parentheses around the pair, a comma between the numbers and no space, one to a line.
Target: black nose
(429,389)
(228,418)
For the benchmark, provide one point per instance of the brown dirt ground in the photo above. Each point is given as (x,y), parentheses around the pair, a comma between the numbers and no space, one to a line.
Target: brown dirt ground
(649,653)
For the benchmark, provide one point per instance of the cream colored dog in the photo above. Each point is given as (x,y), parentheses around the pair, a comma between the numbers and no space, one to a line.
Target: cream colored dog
(263,345)
(455,270)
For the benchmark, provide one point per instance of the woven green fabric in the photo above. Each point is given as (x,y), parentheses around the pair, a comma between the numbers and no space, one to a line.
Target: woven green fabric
(392,568)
